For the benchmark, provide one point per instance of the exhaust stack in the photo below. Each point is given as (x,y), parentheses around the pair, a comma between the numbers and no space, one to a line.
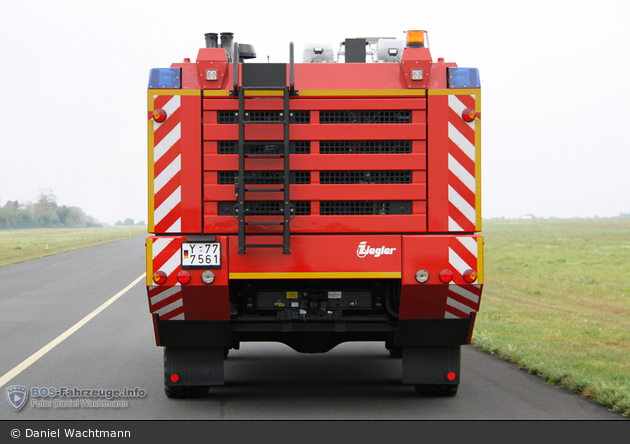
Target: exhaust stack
(227,42)
(212,40)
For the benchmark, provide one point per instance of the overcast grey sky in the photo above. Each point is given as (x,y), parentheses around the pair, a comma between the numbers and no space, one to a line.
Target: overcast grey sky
(554,102)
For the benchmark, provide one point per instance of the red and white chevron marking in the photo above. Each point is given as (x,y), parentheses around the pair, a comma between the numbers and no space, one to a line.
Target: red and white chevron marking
(167,183)
(462,299)
(166,300)
(462,184)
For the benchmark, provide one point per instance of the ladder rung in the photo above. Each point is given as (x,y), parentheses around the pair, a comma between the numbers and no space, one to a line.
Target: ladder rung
(270,150)
(272,88)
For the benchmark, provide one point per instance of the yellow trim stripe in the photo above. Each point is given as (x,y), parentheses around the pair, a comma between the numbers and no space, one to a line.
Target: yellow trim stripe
(318,275)
(151,227)
(363,92)
(149,261)
(174,92)
(480,260)
(325,92)
(449,92)
(264,93)
(478,160)
(215,92)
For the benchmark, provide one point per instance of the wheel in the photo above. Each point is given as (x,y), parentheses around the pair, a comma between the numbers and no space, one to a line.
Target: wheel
(436,389)
(395,352)
(186,392)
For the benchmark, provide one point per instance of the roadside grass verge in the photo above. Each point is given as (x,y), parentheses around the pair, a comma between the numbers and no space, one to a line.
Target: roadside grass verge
(556,302)
(21,245)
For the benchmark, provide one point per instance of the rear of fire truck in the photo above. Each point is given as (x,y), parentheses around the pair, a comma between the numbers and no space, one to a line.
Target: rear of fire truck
(312,204)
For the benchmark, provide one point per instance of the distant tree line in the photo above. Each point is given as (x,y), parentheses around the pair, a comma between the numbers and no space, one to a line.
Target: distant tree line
(129,221)
(43,213)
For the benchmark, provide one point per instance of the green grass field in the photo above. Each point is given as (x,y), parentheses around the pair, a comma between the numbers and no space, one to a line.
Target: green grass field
(24,245)
(557,303)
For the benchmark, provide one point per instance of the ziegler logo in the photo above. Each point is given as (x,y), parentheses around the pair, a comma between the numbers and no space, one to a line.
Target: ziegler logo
(364,250)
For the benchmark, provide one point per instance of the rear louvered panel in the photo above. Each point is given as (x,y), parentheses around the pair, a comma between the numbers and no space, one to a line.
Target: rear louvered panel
(264,177)
(262,147)
(365,177)
(365,147)
(357,165)
(365,116)
(228,117)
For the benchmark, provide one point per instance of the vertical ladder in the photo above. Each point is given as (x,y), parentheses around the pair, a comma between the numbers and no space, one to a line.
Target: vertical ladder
(241,209)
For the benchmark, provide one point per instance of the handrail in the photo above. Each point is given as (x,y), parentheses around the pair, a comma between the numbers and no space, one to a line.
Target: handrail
(235,59)
(291,65)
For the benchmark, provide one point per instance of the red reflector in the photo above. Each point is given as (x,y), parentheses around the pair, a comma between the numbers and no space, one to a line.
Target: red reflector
(159,115)
(446,276)
(159,277)
(469,114)
(174,377)
(183,277)
(470,276)
(451,376)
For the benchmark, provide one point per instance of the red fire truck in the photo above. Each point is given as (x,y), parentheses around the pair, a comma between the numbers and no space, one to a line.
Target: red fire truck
(312,204)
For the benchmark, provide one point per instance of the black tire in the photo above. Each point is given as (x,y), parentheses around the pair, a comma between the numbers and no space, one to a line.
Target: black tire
(436,389)
(186,391)
(395,352)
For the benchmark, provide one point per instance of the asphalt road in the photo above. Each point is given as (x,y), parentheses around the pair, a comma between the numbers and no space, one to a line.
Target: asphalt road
(115,349)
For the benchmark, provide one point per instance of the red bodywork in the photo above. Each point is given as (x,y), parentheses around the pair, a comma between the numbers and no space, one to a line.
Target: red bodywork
(435,230)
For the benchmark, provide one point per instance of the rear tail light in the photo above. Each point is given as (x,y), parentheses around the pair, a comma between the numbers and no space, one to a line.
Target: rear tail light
(159,115)
(446,276)
(159,277)
(470,276)
(183,277)
(451,376)
(469,114)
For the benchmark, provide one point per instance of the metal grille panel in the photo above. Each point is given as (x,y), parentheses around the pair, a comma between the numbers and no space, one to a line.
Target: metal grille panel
(265,208)
(264,177)
(226,117)
(365,147)
(378,177)
(369,116)
(363,208)
(295,147)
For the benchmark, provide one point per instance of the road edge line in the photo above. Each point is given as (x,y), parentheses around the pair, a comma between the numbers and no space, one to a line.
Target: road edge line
(59,339)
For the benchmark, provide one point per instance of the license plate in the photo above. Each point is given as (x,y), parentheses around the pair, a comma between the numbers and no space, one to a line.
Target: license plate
(201,255)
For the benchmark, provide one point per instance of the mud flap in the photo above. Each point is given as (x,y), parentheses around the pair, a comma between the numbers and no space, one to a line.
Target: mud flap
(431,365)
(193,366)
